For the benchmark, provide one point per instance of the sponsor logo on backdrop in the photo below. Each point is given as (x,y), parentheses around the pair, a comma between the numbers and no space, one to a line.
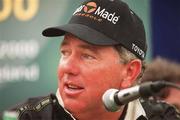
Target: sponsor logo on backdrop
(19,10)
(19,54)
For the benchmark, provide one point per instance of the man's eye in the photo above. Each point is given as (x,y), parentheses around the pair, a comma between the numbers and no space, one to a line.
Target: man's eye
(65,53)
(87,56)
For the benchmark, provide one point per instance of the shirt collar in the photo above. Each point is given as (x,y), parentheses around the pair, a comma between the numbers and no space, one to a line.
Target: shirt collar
(60,101)
(59,98)
(135,110)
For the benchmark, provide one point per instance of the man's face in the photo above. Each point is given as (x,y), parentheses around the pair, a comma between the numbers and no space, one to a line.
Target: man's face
(85,72)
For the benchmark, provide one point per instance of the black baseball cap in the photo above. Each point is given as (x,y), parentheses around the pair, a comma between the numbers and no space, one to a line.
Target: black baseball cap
(105,22)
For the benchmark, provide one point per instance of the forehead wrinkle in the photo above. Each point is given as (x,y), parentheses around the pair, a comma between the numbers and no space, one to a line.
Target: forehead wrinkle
(64,43)
(83,44)
(89,47)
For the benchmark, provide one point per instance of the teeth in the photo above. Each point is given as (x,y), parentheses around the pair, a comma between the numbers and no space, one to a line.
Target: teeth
(72,87)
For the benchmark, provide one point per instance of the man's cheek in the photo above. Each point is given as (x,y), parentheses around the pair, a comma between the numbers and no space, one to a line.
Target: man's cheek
(59,73)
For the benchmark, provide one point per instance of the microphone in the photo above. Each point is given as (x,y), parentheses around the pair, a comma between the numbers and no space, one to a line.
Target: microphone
(113,99)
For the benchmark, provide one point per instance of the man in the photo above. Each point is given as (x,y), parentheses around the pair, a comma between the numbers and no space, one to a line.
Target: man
(104,47)
(163,69)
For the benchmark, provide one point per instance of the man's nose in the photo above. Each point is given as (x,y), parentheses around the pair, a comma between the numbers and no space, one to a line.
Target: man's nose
(70,65)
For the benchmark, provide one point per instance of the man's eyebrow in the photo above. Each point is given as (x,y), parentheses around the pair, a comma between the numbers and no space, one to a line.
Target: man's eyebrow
(92,48)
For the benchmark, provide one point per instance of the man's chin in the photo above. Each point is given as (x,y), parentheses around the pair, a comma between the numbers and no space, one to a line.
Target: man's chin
(74,107)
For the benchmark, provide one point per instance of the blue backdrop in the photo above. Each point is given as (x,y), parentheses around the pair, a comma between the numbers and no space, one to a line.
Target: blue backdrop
(165,15)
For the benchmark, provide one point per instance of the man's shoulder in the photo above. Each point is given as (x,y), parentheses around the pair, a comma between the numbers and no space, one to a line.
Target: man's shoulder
(34,103)
(160,110)
(41,108)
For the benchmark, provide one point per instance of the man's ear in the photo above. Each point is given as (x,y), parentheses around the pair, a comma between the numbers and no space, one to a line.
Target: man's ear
(133,69)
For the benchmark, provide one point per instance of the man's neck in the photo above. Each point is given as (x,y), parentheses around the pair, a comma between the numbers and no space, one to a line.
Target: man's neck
(95,115)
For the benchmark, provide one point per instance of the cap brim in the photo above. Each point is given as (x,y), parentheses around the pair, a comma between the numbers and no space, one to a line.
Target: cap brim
(81,31)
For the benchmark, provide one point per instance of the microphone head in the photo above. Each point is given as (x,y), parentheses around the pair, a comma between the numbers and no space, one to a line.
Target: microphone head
(108,100)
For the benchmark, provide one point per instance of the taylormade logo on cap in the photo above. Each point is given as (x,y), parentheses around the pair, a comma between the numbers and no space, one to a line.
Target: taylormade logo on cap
(91,7)
(105,22)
